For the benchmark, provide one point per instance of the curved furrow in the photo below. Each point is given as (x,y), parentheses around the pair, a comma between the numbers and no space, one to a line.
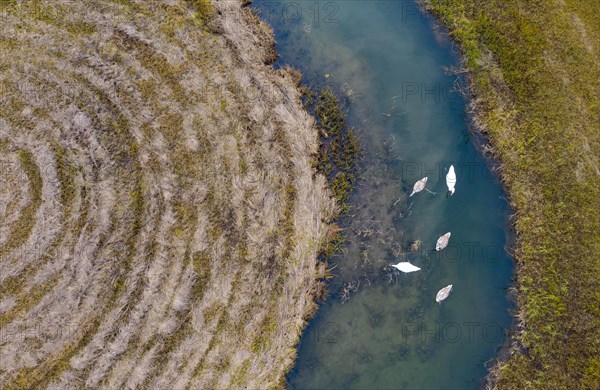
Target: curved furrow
(108,353)
(158,319)
(202,276)
(226,343)
(111,346)
(32,233)
(24,232)
(14,195)
(82,269)
(32,266)
(226,239)
(119,317)
(175,358)
(124,278)
(220,232)
(159,197)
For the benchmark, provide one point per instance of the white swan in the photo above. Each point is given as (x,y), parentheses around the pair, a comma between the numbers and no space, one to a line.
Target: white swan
(406,267)
(443,293)
(451,179)
(442,242)
(419,186)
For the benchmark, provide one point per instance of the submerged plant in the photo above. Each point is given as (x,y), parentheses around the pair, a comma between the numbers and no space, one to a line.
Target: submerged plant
(340,148)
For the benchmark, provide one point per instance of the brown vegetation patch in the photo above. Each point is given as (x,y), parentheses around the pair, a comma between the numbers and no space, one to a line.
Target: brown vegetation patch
(161,217)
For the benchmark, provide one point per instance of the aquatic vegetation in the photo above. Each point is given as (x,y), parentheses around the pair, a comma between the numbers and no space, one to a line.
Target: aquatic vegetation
(353,378)
(398,353)
(337,159)
(340,148)
(341,185)
(347,289)
(534,74)
(416,245)
(424,351)
(364,357)
(376,320)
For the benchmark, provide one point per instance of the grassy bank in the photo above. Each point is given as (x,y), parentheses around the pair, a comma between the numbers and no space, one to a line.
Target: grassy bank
(535,79)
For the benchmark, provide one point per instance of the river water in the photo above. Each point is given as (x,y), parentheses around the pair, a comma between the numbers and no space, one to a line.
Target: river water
(392,67)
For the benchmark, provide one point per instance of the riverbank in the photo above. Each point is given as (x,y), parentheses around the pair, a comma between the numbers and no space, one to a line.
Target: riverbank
(534,79)
(160,200)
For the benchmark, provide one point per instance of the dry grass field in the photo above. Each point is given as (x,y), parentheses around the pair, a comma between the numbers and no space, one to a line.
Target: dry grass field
(160,214)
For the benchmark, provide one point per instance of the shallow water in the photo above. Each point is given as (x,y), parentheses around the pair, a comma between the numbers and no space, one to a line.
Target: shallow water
(380,328)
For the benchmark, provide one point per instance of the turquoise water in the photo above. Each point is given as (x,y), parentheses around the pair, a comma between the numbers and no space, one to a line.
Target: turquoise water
(379,328)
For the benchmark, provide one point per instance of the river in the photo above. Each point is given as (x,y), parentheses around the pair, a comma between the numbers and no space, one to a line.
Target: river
(392,67)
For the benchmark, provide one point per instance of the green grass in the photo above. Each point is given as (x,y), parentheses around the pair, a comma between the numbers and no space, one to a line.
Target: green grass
(51,14)
(262,340)
(536,87)
(66,172)
(204,9)
(21,230)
